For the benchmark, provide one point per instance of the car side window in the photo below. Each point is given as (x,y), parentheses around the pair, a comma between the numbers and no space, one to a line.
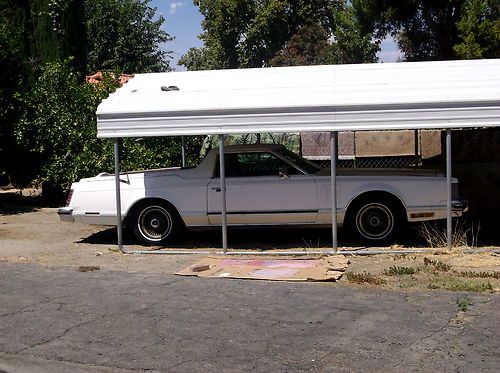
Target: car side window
(255,164)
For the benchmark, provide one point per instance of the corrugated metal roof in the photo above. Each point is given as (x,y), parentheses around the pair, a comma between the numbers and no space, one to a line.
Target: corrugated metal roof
(444,94)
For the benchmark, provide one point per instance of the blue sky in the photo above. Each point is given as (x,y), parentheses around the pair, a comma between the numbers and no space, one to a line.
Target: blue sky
(183,21)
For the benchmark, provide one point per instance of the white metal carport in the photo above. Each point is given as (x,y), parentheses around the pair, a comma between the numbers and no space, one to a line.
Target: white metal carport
(418,95)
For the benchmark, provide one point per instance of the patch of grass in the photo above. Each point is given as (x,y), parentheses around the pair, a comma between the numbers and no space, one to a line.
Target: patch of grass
(474,274)
(437,264)
(458,284)
(408,282)
(365,277)
(88,268)
(399,271)
(463,303)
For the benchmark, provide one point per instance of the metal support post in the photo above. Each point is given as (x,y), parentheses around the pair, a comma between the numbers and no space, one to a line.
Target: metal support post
(119,227)
(183,151)
(223,193)
(449,227)
(333,186)
(417,148)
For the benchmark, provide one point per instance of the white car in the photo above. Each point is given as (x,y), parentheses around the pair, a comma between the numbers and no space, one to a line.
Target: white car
(265,185)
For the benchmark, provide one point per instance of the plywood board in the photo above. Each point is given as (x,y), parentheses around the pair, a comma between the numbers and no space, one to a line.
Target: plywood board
(384,143)
(430,143)
(275,269)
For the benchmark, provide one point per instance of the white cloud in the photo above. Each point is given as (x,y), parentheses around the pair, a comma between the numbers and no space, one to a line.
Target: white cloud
(175,6)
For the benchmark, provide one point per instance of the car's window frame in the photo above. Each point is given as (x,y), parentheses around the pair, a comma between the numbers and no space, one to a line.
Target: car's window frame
(273,153)
(282,155)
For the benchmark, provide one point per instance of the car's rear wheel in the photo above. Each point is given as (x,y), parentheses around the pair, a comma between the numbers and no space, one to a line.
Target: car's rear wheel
(375,221)
(156,224)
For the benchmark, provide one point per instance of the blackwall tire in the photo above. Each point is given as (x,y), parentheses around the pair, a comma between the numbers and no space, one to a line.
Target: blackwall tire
(375,221)
(155,224)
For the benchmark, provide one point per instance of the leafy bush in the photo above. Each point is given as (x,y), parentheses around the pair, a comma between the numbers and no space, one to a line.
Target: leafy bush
(399,271)
(59,126)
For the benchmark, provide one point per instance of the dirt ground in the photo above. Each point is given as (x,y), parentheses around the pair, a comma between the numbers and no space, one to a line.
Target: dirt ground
(34,235)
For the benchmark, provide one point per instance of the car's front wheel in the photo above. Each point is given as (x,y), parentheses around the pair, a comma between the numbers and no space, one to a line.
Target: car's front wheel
(156,224)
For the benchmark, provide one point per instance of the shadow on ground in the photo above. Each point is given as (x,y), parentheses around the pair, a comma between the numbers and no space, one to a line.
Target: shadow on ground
(14,202)
(285,238)
(263,239)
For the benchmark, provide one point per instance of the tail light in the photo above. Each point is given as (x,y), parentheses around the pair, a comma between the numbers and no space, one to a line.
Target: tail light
(68,198)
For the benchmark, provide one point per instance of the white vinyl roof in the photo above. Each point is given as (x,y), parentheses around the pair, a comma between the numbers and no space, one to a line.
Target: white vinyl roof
(409,95)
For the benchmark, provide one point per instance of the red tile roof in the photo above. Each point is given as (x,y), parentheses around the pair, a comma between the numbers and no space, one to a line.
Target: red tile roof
(98,76)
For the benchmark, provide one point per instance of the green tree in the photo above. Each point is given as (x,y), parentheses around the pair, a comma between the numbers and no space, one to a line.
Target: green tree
(479,30)
(32,32)
(424,30)
(51,29)
(197,59)
(246,33)
(122,35)
(12,70)
(350,43)
(307,47)
(47,112)
(313,45)
(434,29)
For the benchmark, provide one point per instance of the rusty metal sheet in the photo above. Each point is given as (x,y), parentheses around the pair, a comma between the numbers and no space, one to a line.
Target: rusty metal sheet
(316,145)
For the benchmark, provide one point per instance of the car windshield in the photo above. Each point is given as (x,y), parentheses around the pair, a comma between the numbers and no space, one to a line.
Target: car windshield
(300,162)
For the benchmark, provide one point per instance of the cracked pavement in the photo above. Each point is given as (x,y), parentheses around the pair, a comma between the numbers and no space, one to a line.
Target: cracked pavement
(56,319)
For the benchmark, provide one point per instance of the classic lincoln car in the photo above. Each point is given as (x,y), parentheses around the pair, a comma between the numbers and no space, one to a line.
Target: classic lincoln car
(265,185)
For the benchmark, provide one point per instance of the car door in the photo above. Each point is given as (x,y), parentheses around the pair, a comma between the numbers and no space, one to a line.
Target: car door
(261,189)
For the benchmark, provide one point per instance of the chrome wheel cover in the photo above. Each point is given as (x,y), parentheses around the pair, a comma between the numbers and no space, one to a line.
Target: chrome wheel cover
(375,221)
(155,223)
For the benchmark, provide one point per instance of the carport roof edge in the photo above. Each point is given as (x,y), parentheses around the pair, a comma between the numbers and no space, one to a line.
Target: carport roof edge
(410,95)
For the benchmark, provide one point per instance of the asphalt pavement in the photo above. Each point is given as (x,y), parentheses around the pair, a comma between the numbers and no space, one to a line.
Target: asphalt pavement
(62,320)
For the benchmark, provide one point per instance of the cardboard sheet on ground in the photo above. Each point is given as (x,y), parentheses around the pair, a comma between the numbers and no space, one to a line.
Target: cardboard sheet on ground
(322,269)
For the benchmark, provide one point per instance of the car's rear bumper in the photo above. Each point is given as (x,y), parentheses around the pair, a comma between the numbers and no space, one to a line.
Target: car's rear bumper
(66,214)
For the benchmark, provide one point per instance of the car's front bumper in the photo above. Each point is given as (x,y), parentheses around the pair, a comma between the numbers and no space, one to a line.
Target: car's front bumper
(66,214)
(459,207)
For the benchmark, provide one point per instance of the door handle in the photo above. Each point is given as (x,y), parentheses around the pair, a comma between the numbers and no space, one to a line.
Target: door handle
(217,189)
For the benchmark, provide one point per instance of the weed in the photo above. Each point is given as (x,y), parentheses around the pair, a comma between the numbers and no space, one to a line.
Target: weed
(399,256)
(437,238)
(473,274)
(399,271)
(361,278)
(437,264)
(88,268)
(463,303)
(457,284)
